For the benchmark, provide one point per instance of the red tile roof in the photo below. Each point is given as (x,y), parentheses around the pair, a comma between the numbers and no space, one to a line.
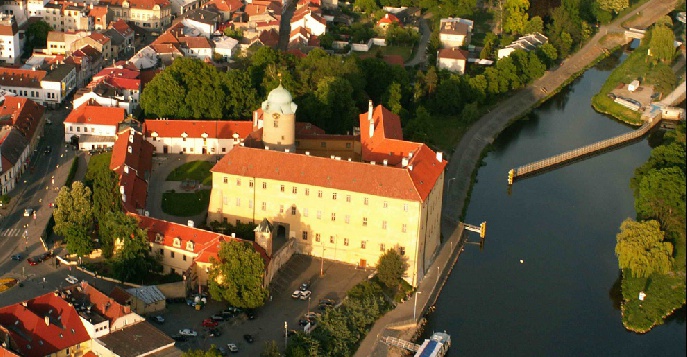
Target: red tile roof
(269,38)
(122,27)
(205,243)
(220,129)
(15,77)
(389,19)
(99,38)
(225,5)
(124,83)
(25,114)
(453,53)
(5,352)
(29,331)
(98,11)
(93,114)
(140,157)
(101,303)
(195,42)
(117,72)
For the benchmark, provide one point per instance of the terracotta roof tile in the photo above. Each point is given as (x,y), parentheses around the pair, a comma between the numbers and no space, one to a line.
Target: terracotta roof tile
(221,129)
(93,114)
(453,53)
(14,77)
(101,303)
(25,114)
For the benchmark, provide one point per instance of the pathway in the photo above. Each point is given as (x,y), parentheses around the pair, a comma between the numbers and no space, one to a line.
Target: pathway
(421,52)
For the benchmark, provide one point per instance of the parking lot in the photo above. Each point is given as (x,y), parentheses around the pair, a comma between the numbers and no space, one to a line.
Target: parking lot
(269,322)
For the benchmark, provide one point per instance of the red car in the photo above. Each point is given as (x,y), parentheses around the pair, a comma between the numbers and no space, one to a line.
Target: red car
(210,323)
(34,260)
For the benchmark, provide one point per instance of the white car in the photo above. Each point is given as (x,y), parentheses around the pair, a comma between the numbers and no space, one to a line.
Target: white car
(305,294)
(28,212)
(159,319)
(188,332)
(71,279)
(296,294)
(232,347)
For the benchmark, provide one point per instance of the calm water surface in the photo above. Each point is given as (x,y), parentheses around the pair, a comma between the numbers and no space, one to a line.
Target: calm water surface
(562,224)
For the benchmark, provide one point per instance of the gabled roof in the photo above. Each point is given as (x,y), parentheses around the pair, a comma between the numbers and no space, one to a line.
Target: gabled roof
(226,5)
(14,77)
(389,19)
(195,42)
(453,53)
(104,305)
(132,150)
(122,27)
(149,294)
(12,145)
(219,129)
(269,37)
(98,11)
(43,325)
(25,114)
(93,114)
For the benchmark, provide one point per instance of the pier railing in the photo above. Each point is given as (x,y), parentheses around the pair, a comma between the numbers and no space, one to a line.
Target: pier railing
(580,152)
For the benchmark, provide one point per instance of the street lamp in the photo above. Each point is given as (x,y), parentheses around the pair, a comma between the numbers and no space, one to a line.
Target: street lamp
(449,183)
(415,304)
(322,262)
(286,333)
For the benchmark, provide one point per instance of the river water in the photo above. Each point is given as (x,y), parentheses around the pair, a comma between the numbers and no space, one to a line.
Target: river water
(562,225)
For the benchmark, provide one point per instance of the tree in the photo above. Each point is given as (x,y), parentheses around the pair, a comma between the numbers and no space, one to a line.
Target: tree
(241,98)
(74,217)
(614,6)
(391,268)
(114,225)
(233,33)
(661,48)
(515,16)
(37,35)
(104,184)
(488,49)
(237,274)
(661,195)
(640,248)
(132,262)
(367,6)
(547,53)
(270,350)
(535,24)
(212,352)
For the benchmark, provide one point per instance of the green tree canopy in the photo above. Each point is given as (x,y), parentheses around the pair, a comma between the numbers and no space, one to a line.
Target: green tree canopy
(391,268)
(661,195)
(614,6)
(212,352)
(132,262)
(104,185)
(661,48)
(237,275)
(74,217)
(37,35)
(515,18)
(640,248)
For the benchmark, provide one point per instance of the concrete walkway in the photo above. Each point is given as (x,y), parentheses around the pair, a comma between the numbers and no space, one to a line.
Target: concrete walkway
(467,153)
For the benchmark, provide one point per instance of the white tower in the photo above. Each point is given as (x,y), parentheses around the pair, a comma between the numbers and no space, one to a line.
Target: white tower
(279,120)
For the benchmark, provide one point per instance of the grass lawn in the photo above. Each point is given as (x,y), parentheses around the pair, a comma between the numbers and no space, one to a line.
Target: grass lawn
(446,132)
(403,51)
(194,170)
(185,204)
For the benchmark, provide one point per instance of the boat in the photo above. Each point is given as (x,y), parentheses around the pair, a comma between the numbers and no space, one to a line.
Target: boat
(435,346)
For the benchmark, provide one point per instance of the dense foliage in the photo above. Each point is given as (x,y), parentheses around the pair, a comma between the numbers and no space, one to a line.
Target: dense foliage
(651,251)
(237,275)
(37,35)
(341,329)
(74,218)
(391,268)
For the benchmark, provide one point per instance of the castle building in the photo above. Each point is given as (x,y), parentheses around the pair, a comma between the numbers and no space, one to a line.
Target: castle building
(351,209)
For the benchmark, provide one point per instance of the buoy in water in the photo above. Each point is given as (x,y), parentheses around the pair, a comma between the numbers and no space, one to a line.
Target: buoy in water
(521,261)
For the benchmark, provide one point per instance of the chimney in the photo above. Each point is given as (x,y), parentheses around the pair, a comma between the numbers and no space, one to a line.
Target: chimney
(404,162)
(440,156)
(373,162)
(287,150)
(233,235)
(18,105)
(369,111)
(307,153)
(331,156)
(190,223)
(47,320)
(267,147)
(410,155)
(385,162)
(410,167)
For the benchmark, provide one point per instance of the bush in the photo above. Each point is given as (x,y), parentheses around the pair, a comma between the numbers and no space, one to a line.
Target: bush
(5,199)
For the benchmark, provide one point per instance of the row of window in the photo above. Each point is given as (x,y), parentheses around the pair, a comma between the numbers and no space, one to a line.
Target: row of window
(320,194)
(78,129)
(171,253)
(346,242)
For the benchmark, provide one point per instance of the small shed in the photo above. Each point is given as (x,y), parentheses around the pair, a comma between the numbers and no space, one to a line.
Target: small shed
(146,299)
(633,86)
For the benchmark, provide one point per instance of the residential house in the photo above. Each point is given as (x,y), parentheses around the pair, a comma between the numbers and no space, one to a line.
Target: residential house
(67,16)
(147,299)
(225,46)
(89,61)
(92,126)
(145,58)
(204,21)
(60,43)
(21,122)
(99,15)
(147,14)
(125,31)
(98,41)
(526,43)
(46,325)
(112,87)
(180,7)
(309,19)
(11,44)
(196,47)
(225,7)
(116,42)
(455,32)
(453,59)
(388,20)
(132,162)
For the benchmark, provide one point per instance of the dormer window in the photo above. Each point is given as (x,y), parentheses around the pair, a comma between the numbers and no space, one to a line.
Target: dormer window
(189,246)
(177,242)
(159,238)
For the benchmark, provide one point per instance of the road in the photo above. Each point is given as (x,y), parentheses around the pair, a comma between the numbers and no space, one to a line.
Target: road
(421,53)
(285,24)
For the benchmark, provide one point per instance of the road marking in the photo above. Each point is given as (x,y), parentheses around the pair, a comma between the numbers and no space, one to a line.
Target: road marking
(9,232)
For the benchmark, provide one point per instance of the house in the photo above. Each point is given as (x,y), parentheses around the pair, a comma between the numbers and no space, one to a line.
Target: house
(139,339)
(67,16)
(204,21)
(89,61)
(196,47)
(99,15)
(180,7)
(92,126)
(21,122)
(147,14)
(525,43)
(269,38)
(11,45)
(124,30)
(60,43)
(46,87)
(146,58)
(388,20)
(132,163)
(43,326)
(452,59)
(195,136)
(98,41)
(455,32)
(146,299)
(310,20)
(225,46)
(225,7)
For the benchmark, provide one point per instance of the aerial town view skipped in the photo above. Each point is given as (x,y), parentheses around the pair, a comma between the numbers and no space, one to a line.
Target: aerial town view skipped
(368,178)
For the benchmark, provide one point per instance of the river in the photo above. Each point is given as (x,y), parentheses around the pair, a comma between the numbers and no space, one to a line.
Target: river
(562,225)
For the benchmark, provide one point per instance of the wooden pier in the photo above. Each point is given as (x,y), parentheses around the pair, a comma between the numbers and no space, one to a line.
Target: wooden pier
(579,153)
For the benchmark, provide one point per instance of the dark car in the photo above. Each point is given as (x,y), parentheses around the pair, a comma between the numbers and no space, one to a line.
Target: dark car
(214,332)
(48,149)
(16,257)
(303,322)
(218,317)
(251,315)
(305,286)
(248,338)
(209,323)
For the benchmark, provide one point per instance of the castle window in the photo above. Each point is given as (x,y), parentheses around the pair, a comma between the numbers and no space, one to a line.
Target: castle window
(238,202)
(383,224)
(226,180)
(334,195)
(281,208)
(264,185)
(402,250)
(404,228)
(405,207)
(282,188)
(190,246)
(319,193)
(250,183)
(366,201)
(317,237)
(346,242)
(162,252)
(382,247)
(238,182)
(331,239)
(177,242)
(386,204)
(347,219)
(348,198)
(293,210)
(264,206)
(305,212)
(364,221)
(276,124)
(171,254)
(305,235)
(363,244)
(294,190)
(319,214)
(333,216)
(183,257)
(307,192)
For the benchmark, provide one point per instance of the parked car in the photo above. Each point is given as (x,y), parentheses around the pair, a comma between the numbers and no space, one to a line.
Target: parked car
(305,294)
(232,348)
(16,257)
(209,323)
(214,332)
(218,317)
(222,350)
(48,149)
(158,319)
(296,294)
(34,260)
(28,212)
(250,314)
(188,332)
(71,279)
(248,338)
(305,286)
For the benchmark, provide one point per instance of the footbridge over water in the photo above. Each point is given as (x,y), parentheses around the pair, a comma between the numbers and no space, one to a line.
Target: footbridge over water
(577,154)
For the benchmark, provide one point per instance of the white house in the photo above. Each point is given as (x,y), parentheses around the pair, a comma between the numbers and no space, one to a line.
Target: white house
(225,46)
(195,136)
(196,47)
(10,42)
(452,59)
(525,43)
(93,126)
(202,20)
(310,20)
(455,32)
(48,88)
